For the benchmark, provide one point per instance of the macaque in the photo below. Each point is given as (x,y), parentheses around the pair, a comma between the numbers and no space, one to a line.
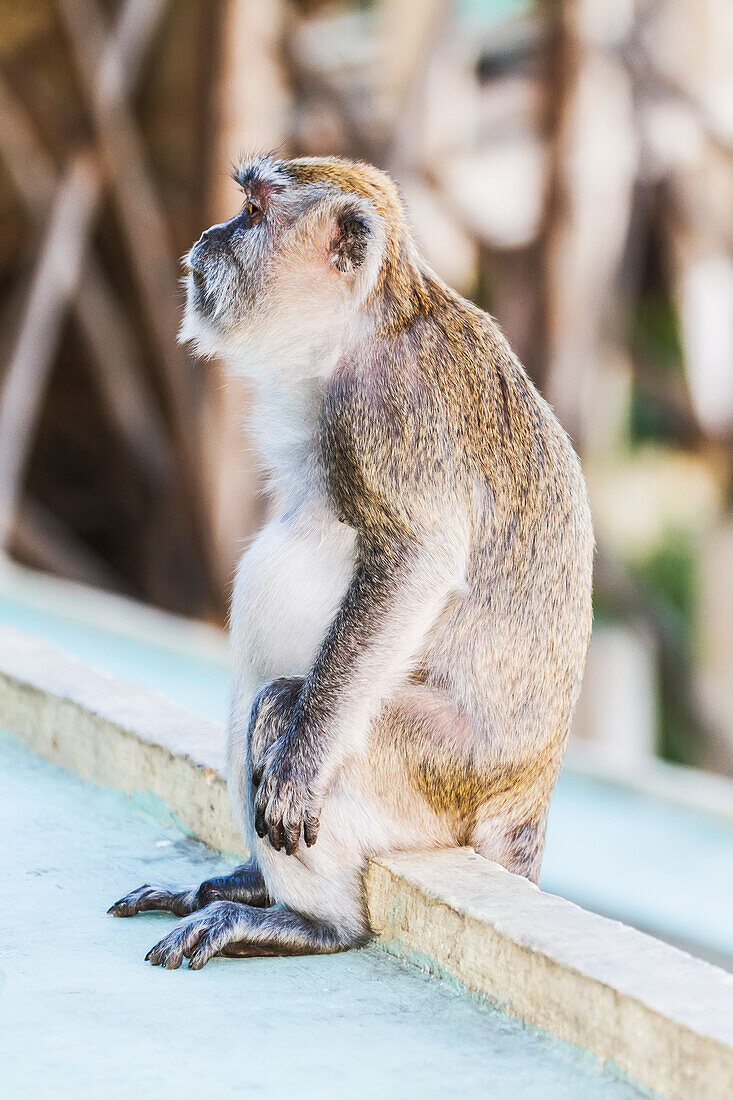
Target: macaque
(409,630)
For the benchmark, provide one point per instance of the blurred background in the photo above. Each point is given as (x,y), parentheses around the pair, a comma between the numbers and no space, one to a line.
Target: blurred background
(566,164)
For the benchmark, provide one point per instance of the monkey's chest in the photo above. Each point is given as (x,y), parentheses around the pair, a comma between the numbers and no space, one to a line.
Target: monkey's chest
(289,586)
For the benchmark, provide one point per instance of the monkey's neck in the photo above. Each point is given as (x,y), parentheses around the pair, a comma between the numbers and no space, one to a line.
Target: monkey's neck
(406,289)
(285,426)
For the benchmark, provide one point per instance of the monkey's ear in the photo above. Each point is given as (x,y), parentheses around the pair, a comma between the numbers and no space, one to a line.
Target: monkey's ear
(348,246)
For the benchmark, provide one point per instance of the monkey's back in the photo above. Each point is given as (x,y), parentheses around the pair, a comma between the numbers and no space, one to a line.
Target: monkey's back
(523,623)
(442,429)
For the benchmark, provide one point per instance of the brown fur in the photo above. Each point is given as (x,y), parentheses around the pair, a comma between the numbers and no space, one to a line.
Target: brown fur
(443,386)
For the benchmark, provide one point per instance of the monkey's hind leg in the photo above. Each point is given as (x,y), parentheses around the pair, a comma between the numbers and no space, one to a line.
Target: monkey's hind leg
(515,838)
(243,884)
(230,928)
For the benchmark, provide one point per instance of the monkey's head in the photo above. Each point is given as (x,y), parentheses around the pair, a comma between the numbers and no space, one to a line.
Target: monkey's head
(276,287)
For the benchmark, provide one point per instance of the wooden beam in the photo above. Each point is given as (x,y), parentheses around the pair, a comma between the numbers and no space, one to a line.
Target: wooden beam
(581,250)
(43,540)
(59,268)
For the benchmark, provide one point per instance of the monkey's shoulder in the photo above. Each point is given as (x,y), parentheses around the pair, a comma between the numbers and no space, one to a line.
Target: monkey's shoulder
(385,446)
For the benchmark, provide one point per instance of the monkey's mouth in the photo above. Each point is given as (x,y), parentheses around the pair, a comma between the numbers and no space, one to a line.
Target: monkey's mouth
(200,295)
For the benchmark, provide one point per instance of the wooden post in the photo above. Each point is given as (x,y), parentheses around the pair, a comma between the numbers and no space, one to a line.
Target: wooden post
(590,193)
(61,260)
(118,372)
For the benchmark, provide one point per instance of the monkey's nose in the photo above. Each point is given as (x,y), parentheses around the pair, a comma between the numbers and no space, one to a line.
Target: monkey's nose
(210,239)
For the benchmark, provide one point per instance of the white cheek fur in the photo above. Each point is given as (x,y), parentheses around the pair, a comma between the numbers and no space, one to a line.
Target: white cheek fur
(307,311)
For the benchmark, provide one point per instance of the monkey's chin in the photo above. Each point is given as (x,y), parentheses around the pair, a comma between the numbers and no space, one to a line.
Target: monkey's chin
(197,329)
(199,333)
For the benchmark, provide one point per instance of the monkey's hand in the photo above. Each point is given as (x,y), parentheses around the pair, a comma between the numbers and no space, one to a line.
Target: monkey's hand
(287,800)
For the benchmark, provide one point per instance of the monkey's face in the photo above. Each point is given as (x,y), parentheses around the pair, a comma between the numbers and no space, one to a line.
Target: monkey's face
(272,289)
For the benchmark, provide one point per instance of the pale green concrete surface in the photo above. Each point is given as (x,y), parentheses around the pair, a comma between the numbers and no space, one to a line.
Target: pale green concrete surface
(82,1015)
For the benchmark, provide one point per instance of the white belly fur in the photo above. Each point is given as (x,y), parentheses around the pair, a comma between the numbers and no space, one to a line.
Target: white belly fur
(289,585)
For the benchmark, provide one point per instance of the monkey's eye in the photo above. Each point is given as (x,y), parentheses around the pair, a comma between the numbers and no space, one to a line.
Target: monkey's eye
(252,209)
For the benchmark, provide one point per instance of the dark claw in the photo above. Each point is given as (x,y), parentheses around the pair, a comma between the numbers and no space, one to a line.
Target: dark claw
(275,834)
(310,830)
(292,839)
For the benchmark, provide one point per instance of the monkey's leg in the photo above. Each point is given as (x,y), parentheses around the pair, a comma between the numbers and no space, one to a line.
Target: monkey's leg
(230,928)
(502,809)
(418,785)
(515,836)
(243,884)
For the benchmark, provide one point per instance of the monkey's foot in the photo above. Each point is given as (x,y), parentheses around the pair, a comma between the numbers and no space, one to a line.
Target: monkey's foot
(244,884)
(230,928)
(198,936)
(180,901)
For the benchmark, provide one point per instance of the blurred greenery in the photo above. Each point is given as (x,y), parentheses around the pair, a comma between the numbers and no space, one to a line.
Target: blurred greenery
(654,338)
(670,574)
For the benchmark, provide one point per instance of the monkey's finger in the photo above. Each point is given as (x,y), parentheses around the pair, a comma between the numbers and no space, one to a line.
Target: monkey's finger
(261,815)
(311,825)
(291,835)
(275,832)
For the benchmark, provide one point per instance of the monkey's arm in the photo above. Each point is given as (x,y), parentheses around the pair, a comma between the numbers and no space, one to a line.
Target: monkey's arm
(400,585)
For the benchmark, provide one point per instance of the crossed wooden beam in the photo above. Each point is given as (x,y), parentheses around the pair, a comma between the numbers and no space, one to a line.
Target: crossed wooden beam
(64,206)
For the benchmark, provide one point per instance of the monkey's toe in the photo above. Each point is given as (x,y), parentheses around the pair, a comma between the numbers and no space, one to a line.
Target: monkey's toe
(204,950)
(169,951)
(197,937)
(149,898)
(134,902)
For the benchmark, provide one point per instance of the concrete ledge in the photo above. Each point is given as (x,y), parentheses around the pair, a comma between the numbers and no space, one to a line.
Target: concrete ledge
(117,734)
(661,1017)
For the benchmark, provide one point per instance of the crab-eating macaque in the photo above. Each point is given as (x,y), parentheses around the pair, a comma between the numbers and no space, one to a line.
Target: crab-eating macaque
(409,631)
